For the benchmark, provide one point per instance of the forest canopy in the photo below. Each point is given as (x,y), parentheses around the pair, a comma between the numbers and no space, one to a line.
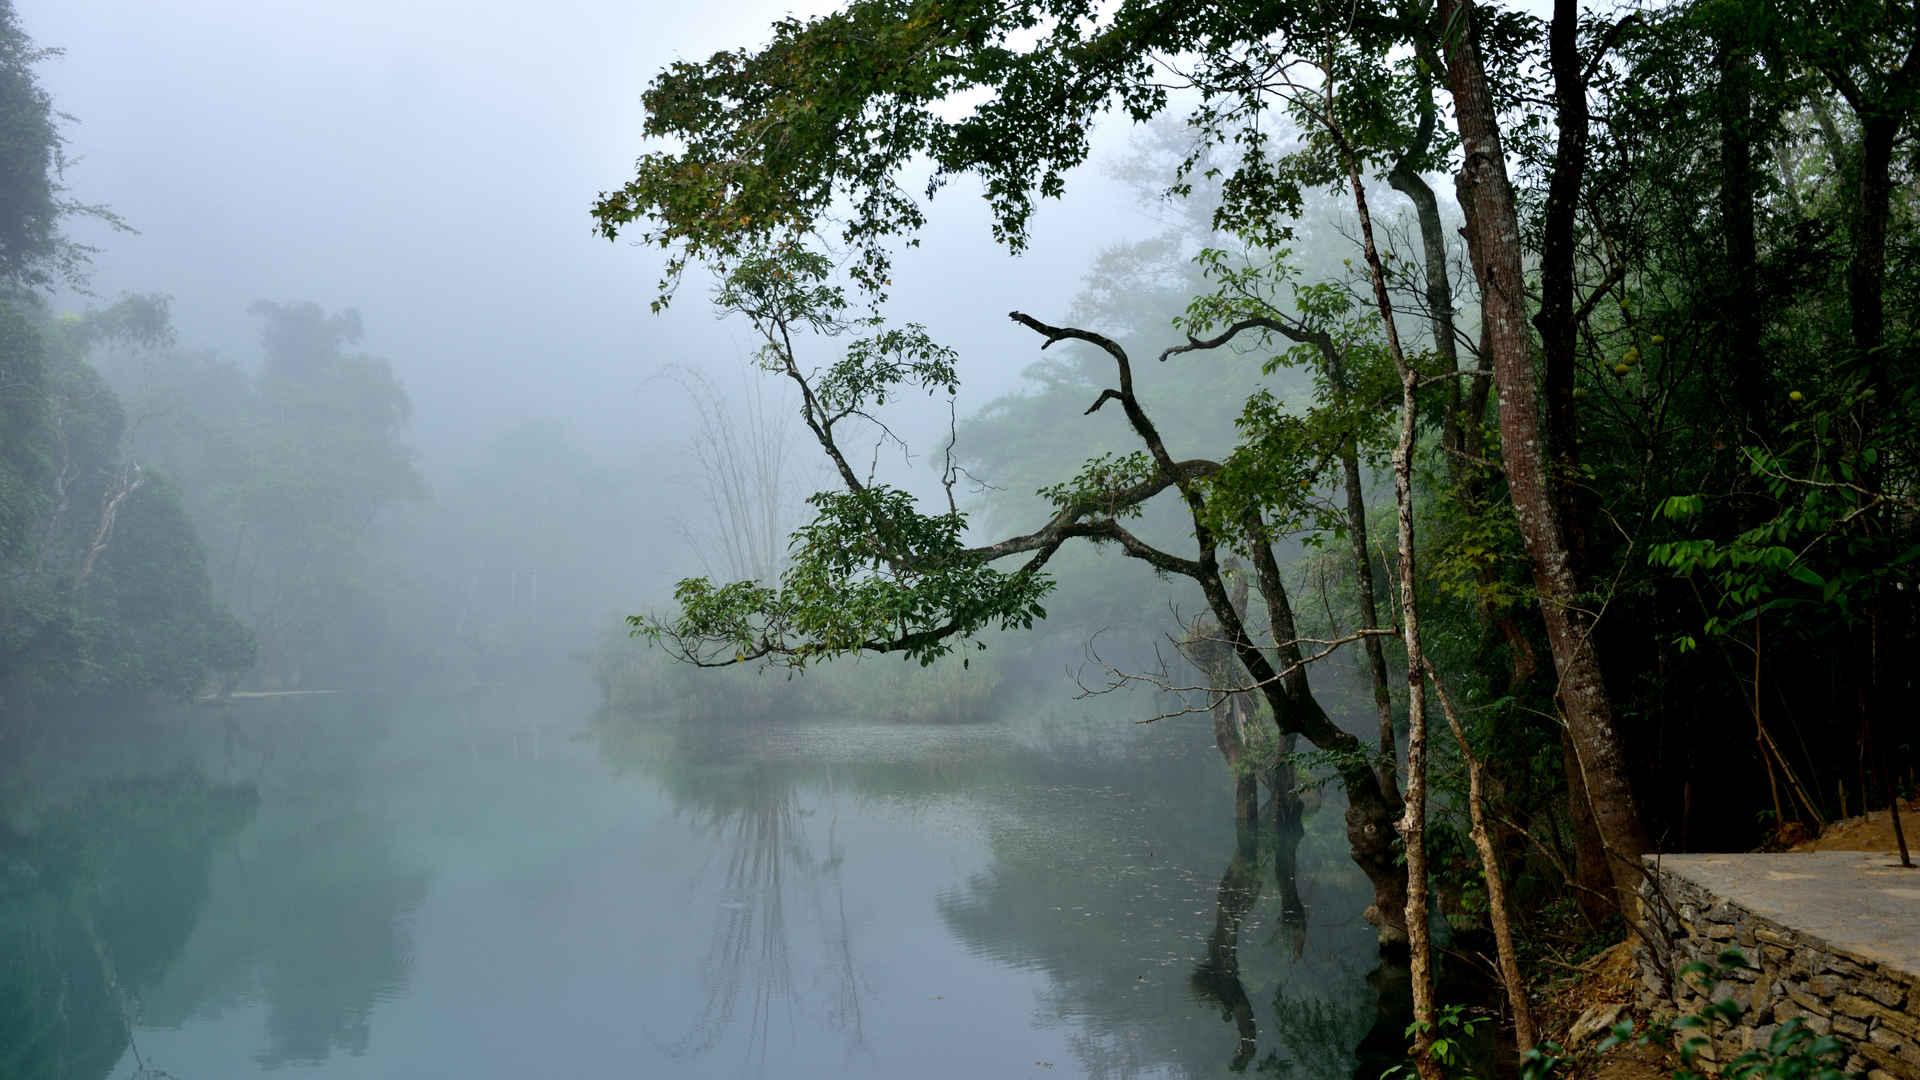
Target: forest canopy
(1656,417)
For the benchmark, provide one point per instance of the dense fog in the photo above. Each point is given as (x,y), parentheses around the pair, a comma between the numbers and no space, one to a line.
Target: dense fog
(434,190)
(913,537)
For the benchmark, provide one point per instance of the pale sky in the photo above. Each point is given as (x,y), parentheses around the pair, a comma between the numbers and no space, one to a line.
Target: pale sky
(431,164)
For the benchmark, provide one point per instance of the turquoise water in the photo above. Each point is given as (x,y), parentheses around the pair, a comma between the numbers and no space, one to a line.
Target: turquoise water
(511,884)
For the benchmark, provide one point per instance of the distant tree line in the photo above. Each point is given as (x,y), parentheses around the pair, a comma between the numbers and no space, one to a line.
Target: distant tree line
(170,523)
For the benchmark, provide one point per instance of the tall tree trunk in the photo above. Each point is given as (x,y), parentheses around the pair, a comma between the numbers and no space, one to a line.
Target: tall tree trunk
(1494,244)
(1591,879)
(1867,275)
(1559,345)
(1388,761)
(1882,118)
(1465,410)
(1742,309)
(1558,256)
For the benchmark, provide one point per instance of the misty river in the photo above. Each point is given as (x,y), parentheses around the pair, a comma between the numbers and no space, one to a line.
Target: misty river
(516,884)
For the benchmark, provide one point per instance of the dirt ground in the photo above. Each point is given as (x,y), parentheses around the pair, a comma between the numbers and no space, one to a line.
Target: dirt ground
(1609,978)
(1605,981)
(1874,832)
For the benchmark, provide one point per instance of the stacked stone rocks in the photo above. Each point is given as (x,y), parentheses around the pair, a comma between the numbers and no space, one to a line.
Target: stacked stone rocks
(1872,1010)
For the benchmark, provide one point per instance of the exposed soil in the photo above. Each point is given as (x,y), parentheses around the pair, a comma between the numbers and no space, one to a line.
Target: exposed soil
(1872,832)
(1603,982)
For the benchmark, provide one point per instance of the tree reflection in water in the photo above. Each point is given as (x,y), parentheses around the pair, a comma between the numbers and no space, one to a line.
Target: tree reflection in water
(1313,1035)
(765,836)
(95,905)
(1094,882)
(1216,978)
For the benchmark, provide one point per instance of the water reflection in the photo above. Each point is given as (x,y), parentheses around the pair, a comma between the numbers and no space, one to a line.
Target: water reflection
(773,827)
(308,912)
(151,899)
(95,906)
(1314,1030)
(1216,979)
(435,890)
(320,924)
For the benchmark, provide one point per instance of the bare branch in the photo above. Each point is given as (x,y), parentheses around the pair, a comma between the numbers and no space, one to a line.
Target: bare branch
(1295,331)
(129,483)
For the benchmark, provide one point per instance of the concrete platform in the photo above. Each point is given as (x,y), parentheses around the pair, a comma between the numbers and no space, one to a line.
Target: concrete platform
(1832,940)
(1862,904)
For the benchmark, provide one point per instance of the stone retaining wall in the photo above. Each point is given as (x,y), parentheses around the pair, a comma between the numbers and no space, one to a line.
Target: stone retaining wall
(1871,1006)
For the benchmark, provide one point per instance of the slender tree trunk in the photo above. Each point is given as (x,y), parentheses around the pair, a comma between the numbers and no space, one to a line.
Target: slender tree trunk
(1413,826)
(1389,752)
(1413,822)
(1388,761)
(1829,133)
(1499,913)
(1558,256)
(130,482)
(1494,243)
(1208,649)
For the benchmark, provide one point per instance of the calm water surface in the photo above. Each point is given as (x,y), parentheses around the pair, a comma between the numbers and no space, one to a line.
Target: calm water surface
(512,885)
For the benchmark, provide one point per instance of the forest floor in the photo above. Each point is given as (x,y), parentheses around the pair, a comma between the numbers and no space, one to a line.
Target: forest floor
(1610,978)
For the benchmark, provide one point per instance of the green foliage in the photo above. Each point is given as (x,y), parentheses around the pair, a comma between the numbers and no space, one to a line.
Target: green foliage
(1831,538)
(1453,1032)
(1102,485)
(1274,474)
(1792,1052)
(288,472)
(1723,441)
(830,107)
(103,584)
(158,625)
(869,572)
